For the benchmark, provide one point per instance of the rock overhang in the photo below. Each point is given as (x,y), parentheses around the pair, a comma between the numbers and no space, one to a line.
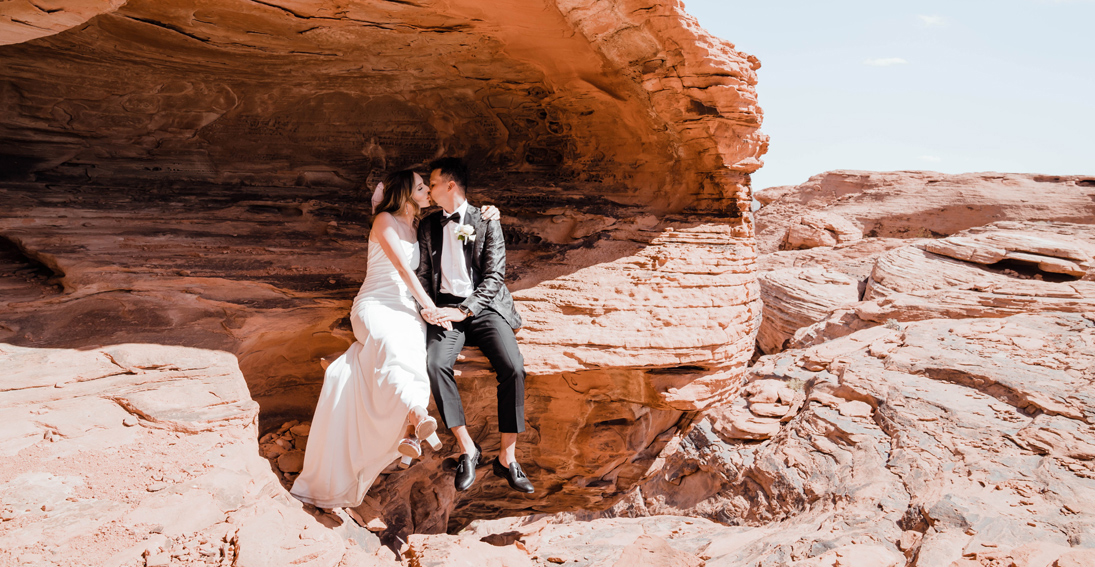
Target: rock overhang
(629,101)
(197,174)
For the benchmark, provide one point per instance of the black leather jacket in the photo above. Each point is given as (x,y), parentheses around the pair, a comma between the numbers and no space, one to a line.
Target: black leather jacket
(485,257)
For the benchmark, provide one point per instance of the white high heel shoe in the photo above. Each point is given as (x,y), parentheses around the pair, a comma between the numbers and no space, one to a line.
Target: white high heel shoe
(426,430)
(410,449)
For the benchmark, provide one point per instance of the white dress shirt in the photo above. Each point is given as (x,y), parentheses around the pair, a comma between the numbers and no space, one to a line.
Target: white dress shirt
(455,278)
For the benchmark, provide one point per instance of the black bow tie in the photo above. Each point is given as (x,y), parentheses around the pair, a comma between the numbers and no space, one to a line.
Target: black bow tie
(455,217)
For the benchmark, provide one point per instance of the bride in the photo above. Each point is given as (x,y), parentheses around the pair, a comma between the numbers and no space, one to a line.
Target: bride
(377,391)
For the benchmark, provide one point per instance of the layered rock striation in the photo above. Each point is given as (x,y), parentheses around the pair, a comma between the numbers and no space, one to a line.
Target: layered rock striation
(943,418)
(553,94)
(197,174)
(144,454)
(916,204)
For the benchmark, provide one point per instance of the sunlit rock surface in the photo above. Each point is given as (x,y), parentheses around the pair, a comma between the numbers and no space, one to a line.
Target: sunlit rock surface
(916,204)
(197,174)
(130,454)
(943,420)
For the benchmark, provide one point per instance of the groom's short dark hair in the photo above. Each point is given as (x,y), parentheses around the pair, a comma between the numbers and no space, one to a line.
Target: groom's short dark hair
(453,168)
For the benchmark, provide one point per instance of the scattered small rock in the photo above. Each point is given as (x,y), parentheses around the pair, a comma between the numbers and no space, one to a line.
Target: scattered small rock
(769,410)
(129,421)
(854,409)
(291,462)
(763,391)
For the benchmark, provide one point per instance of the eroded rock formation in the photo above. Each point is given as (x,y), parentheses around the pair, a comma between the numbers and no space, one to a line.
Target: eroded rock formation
(943,420)
(914,204)
(798,297)
(547,95)
(992,271)
(136,454)
(197,174)
(956,434)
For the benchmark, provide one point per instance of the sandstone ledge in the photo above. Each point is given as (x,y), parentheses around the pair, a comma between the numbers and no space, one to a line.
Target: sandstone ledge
(130,450)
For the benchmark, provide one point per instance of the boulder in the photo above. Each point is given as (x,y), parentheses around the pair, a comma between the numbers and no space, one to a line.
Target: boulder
(189,473)
(815,229)
(798,297)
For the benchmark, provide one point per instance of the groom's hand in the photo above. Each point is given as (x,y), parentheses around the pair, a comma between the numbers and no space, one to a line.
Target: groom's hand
(432,316)
(450,314)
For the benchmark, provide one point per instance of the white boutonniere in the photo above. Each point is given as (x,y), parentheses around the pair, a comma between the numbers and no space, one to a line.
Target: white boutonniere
(465,233)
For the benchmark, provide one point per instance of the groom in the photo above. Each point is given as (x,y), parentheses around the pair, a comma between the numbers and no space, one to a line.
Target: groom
(463,268)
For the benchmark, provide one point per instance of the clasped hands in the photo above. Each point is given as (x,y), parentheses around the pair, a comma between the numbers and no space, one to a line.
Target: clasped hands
(443,317)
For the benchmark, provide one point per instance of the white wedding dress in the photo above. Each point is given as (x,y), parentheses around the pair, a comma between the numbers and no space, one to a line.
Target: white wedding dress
(368,391)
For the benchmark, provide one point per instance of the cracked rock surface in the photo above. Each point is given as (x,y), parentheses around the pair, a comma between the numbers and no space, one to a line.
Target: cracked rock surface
(958,434)
(135,454)
(917,204)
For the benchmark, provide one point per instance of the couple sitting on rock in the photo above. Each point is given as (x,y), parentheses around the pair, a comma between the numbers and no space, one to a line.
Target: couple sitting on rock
(426,293)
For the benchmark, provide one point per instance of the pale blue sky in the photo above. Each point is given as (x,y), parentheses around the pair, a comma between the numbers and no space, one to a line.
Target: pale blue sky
(960,86)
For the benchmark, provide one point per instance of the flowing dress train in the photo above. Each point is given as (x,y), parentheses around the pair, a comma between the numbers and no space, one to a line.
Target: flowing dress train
(369,391)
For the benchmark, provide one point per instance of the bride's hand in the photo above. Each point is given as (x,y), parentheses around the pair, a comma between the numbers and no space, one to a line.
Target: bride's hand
(432,315)
(491,213)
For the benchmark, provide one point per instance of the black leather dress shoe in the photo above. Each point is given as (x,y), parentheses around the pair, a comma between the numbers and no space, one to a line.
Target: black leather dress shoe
(514,476)
(465,469)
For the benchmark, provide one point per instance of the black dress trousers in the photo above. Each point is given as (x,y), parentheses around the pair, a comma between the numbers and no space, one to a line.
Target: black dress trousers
(493,335)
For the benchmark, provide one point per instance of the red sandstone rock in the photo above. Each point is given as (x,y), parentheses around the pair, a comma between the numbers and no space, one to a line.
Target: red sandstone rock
(653,332)
(855,259)
(972,261)
(947,441)
(623,542)
(967,441)
(741,423)
(1075,558)
(967,279)
(189,474)
(23,20)
(855,556)
(430,550)
(911,204)
(633,98)
(818,228)
(798,297)
(221,206)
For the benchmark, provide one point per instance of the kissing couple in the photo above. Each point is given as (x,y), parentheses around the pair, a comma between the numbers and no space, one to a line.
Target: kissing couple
(427,292)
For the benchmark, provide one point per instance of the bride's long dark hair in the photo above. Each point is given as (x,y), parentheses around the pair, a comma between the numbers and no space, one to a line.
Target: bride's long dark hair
(398,191)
